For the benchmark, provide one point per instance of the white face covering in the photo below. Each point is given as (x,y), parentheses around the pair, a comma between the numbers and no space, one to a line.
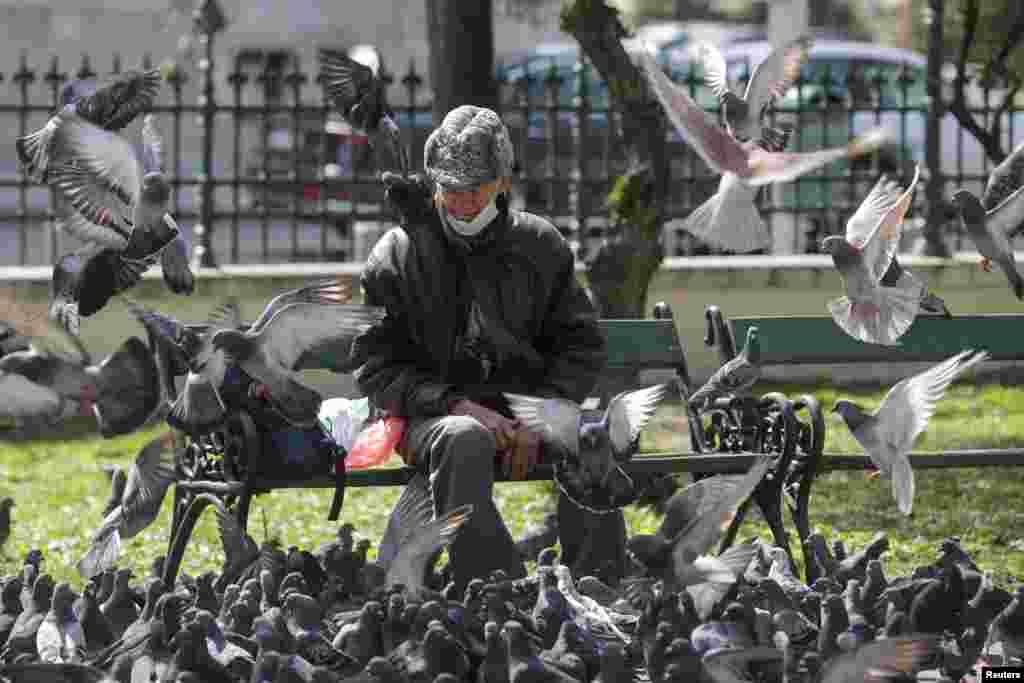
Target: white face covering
(477,223)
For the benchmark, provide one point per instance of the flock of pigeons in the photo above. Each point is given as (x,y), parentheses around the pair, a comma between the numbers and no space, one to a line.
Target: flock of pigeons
(682,613)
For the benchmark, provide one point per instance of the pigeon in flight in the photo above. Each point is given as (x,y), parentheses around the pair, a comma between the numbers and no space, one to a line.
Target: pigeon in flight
(902,278)
(357,92)
(111,107)
(771,79)
(888,434)
(1004,180)
(724,153)
(272,353)
(871,312)
(149,477)
(597,446)
(990,230)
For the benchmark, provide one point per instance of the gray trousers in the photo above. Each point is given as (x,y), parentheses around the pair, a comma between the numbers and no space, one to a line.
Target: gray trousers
(459,454)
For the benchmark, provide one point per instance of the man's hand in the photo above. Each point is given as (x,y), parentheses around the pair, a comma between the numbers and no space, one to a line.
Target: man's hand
(504,429)
(524,454)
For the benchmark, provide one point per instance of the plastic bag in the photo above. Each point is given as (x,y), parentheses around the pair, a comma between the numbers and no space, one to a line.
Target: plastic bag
(343,418)
(375,444)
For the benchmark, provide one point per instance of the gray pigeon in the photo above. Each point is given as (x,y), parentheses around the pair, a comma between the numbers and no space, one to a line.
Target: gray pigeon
(6,503)
(770,79)
(695,520)
(736,377)
(149,476)
(111,107)
(723,153)
(598,446)
(240,550)
(357,92)
(881,658)
(888,434)
(870,312)
(271,354)
(990,231)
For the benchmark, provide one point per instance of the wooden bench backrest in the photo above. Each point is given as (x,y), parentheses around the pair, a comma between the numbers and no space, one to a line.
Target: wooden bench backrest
(792,340)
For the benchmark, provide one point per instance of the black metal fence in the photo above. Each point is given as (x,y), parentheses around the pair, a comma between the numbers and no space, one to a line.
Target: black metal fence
(271,174)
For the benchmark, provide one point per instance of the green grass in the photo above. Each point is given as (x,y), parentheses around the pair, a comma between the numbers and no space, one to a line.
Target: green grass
(60,491)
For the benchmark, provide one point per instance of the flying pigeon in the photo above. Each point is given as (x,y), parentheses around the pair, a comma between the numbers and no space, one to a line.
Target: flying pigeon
(271,354)
(770,79)
(888,433)
(1004,180)
(695,519)
(724,153)
(990,231)
(357,92)
(598,446)
(111,107)
(39,385)
(737,377)
(149,477)
(871,312)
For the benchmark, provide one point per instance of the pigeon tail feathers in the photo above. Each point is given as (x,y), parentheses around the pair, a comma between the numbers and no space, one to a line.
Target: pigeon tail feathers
(903,483)
(735,225)
(102,555)
(883,320)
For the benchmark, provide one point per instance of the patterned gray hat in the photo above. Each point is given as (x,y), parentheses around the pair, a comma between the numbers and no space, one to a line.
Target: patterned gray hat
(470,148)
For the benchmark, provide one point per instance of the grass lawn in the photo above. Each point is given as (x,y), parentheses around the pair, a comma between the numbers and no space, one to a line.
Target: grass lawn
(60,491)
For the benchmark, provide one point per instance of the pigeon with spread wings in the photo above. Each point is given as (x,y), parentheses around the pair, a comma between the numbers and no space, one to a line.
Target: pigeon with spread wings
(357,92)
(597,446)
(271,354)
(111,107)
(748,160)
(771,79)
(888,433)
(871,312)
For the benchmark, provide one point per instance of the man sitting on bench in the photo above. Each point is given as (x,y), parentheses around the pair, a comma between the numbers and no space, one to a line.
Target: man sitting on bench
(481,300)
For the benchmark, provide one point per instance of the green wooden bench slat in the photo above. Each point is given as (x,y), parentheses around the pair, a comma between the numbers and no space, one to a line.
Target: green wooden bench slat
(791,340)
(632,344)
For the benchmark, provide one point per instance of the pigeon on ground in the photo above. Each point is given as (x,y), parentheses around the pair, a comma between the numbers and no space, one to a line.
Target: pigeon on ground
(888,433)
(869,311)
(990,231)
(40,385)
(695,519)
(771,79)
(111,107)
(901,278)
(60,638)
(271,354)
(598,446)
(357,92)
(52,673)
(120,205)
(149,477)
(737,377)
(724,153)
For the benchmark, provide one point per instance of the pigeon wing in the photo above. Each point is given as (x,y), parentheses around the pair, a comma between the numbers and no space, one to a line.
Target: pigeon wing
(151,473)
(23,398)
(709,140)
(764,167)
(891,656)
(725,664)
(117,103)
(716,73)
(415,555)
(93,210)
(324,292)
(1007,217)
(152,145)
(907,407)
(876,227)
(227,315)
(695,501)
(774,76)
(413,511)
(557,420)
(346,81)
(239,548)
(73,222)
(1004,179)
(108,155)
(629,412)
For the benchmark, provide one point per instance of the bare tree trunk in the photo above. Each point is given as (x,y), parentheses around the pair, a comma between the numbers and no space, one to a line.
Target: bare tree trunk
(938,213)
(620,272)
(461,38)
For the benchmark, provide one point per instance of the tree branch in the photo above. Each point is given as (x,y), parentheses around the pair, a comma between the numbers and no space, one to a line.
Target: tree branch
(998,63)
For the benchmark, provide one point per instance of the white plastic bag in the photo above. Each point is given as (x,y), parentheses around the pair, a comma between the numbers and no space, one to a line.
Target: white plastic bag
(342,419)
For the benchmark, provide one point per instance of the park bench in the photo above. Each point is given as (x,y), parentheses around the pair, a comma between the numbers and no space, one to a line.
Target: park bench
(236,462)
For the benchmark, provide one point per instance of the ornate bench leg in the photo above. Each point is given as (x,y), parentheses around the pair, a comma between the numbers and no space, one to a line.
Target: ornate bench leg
(811,445)
(182,534)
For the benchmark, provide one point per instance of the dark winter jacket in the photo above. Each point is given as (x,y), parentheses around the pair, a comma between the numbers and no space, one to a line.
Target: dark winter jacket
(533,315)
